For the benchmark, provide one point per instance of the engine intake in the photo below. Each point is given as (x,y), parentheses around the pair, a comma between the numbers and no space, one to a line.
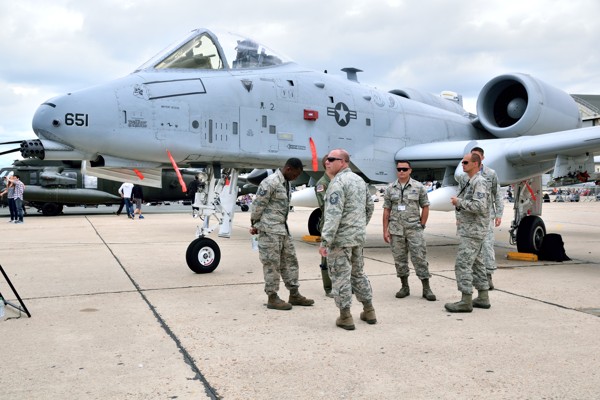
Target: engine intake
(514,105)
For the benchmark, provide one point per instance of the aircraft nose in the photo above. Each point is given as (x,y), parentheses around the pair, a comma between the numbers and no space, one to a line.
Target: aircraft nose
(45,120)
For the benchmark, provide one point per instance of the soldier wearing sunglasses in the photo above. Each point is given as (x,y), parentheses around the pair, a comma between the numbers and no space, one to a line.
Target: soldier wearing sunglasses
(348,210)
(472,225)
(405,213)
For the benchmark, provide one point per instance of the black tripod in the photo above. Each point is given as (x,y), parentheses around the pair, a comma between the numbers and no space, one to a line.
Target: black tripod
(22,308)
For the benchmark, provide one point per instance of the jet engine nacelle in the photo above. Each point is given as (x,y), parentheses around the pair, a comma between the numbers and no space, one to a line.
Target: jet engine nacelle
(514,105)
(431,100)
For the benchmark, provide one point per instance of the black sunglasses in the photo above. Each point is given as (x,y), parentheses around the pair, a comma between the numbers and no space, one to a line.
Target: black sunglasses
(402,169)
(332,159)
(465,162)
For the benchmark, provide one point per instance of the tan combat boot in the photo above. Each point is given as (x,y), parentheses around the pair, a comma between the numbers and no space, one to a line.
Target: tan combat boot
(345,320)
(464,305)
(482,300)
(275,303)
(368,314)
(296,299)
(427,293)
(404,290)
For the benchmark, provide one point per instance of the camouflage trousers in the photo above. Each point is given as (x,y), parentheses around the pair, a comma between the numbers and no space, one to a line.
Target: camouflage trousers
(412,241)
(489,255)
(278,257)
(347,276)
(469,267)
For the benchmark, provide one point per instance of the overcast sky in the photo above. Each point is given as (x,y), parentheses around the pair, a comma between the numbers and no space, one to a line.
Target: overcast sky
(53,47)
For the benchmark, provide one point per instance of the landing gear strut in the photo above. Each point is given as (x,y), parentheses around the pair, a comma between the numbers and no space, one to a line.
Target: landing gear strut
(527,229)
(217,198)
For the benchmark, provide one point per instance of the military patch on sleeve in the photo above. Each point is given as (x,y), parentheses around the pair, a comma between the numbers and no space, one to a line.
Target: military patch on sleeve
(320,188)
(261,192)
(480,195)
(334,198)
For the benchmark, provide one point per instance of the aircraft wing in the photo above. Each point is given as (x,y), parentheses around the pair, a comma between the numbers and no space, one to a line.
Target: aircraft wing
(515,159)
(530,149)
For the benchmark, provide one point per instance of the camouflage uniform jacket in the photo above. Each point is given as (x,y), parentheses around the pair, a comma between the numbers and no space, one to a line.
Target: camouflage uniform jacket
(271,205)
(413,196)
(472,212)
(348,210)
(320,190)
(495,201)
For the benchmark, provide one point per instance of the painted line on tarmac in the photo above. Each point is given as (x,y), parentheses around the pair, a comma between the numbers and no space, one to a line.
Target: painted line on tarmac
(187,358)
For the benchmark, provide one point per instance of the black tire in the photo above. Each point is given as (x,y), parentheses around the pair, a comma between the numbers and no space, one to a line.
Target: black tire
(51,209)
(530,234)
(203,255)
(313,222)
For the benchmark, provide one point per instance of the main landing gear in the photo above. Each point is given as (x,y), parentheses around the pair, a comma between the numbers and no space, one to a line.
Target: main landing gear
(527,229)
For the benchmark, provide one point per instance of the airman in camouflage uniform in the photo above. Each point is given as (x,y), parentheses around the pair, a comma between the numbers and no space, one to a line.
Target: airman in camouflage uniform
(403,225)
(348,209)
(320,190)
(270,210)
(496,205)
(472,220)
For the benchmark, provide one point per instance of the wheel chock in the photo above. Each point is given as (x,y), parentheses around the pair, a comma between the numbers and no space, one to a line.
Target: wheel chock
(515,256)
(311,238)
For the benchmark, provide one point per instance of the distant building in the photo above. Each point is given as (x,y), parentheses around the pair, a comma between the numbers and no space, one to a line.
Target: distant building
(589,107)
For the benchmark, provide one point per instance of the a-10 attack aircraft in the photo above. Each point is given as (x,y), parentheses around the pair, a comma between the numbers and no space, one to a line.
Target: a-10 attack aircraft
(225,103)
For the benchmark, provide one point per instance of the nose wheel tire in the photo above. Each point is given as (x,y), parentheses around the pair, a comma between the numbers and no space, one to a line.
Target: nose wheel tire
(203,255)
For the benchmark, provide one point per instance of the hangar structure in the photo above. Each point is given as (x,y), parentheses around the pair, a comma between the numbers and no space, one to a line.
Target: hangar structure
(589,107)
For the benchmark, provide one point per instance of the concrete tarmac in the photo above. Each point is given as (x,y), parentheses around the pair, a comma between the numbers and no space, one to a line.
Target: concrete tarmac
(117,314)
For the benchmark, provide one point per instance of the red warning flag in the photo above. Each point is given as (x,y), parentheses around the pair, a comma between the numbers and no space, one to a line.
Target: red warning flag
(181,182)
(313,151)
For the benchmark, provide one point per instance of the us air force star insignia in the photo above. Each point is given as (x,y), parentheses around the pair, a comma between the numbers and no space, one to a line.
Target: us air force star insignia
(480,195)
(320,188)
(342,114)
(262,192)
(334,198)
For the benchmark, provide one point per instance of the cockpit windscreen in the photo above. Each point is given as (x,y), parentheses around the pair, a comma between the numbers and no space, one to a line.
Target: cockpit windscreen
(204,51)
(198,53)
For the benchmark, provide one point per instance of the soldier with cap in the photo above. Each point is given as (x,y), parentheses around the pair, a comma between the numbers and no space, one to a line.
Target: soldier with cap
(348,210)
(496,206)
(405,213)
(472,222)
(277,254)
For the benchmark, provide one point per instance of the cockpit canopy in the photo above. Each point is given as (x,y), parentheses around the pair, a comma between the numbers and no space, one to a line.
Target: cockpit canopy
(202,50)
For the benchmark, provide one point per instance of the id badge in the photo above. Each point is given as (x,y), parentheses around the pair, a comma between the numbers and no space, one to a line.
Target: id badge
(401,207)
